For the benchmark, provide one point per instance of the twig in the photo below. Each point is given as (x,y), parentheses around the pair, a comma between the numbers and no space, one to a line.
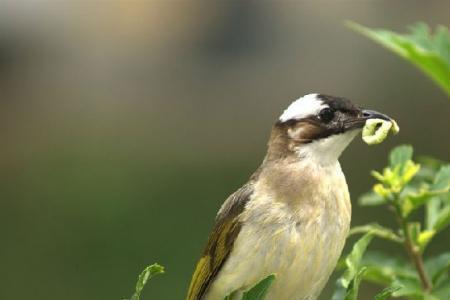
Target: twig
(416,257)
(413,253)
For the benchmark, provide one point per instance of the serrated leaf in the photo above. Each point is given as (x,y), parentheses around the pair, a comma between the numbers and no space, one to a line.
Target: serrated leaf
(145,275)
(428,52)
(386,293)
(371,199)
(378,231)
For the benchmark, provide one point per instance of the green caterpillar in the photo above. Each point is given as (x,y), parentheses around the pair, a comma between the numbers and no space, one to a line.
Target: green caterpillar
(376,130)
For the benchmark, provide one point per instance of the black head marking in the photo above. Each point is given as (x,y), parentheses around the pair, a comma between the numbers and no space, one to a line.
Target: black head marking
(339,103)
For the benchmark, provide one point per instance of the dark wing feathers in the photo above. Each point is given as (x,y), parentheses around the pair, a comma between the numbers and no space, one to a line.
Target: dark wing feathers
(220,242)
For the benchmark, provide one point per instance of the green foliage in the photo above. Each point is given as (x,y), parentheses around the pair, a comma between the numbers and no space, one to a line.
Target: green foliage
(429,52)
(382,269)
(348,284)
(396,189)
(405,187)
(386,293)
(377,230)
(145,275)
(438,267)
(258,291)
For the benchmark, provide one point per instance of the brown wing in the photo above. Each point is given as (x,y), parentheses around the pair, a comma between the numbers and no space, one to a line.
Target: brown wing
(220,243)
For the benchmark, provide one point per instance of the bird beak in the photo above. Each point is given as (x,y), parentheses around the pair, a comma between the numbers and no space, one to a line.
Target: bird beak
(360,120)
(371,114)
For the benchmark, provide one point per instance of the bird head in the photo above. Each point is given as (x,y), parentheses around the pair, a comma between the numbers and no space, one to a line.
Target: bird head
(318,127)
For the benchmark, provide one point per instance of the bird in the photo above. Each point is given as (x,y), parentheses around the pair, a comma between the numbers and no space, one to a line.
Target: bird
(293,215)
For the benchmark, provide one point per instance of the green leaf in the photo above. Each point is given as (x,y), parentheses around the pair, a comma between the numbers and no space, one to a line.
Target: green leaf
(445,199)
(442,180)
(438,209)
(339,291)
(371,199)
(426,173)
(430,53)
(348,284)
(432,209)
(442,219)
(351,292)
(259,291)
(425,238)
(430,162)
(353,260)
(386,293)
(145,275)
(411,288)
(353,288)
(437,267)
(378,231)
(400,155)
(378,176)
(408,171)
(441,292)
(382,191)
(411,198)
(383,269)
(437,215)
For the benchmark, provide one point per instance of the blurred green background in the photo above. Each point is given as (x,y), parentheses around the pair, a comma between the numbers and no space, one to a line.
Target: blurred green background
(125,124)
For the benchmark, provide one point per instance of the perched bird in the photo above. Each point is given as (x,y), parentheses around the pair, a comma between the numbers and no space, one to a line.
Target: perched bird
(293,215)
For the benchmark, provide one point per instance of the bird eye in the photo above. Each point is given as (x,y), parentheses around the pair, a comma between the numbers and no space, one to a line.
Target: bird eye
(326,115)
